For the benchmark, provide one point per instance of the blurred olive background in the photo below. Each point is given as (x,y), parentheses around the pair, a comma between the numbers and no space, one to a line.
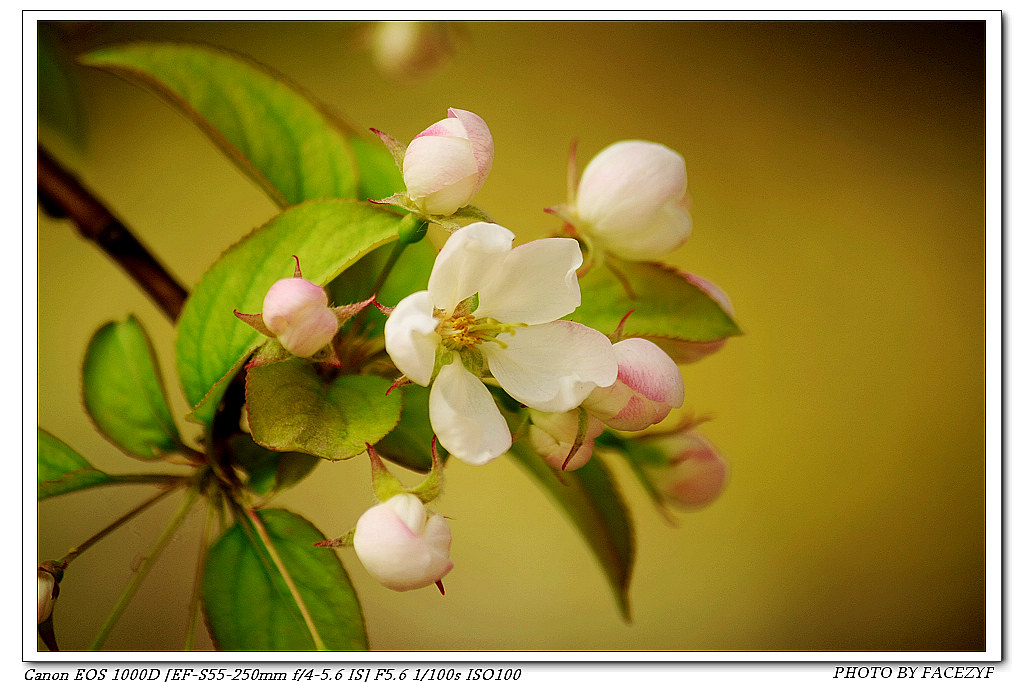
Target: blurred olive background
(837,174)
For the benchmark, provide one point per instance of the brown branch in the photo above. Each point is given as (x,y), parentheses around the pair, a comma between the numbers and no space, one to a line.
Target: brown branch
(62,196)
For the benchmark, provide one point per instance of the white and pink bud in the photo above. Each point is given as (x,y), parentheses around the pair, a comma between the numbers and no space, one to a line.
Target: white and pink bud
(446,165)
(552,435)
(631,200)
(296,311)
(696,474)
(403,545)
(48,590)
(648,387)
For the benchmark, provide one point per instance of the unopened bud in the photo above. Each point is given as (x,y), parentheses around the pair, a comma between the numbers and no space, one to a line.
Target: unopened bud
(552,435)
(402,545)
(446,165)
(696,475)
(648,386)
(49,576)
(296,311)
(631,200)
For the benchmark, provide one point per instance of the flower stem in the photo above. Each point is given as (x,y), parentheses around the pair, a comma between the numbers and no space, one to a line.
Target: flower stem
(147,564)
(76,551)
(261,531)
(389,265)
(193,606)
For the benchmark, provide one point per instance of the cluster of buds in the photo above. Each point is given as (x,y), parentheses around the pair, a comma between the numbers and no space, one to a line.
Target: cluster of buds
(492,317)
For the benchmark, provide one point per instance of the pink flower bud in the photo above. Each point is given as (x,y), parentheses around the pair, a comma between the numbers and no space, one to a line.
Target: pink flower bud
(296,311)
(630,200)
(402,545)
(697,472)
(553,433)
(446,165)
(47,594)
(649,385)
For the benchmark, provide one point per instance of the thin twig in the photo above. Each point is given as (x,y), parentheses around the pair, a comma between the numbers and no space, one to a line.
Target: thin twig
(76,551)
(193,607)
(147,564)
(63,196)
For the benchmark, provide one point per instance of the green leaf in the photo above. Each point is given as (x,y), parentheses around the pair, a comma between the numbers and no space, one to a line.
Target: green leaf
(62,470)
(268,471)
(667,304)
(409,443)
(248,604)
(592,502)
(59,95)
(326,235)
(272,132)
(290,408)
(123,391)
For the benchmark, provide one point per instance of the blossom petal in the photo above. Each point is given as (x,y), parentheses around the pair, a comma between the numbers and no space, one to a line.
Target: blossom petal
(392,551)
(465,261)
(662,233)
(552,367)
(410,339)
(480,137)
(629,181)
(433,162)
(535,284)
(465,418)
(649,371)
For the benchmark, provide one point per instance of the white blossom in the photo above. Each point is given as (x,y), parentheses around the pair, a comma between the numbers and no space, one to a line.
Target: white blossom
(492,311)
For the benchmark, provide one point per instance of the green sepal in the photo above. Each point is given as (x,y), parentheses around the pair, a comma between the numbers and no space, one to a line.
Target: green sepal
(442,356)
(473,360)
(582,423)
(472,214)
(396,148)
(431,487)
(385,484)
(343,541)
(467,306)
